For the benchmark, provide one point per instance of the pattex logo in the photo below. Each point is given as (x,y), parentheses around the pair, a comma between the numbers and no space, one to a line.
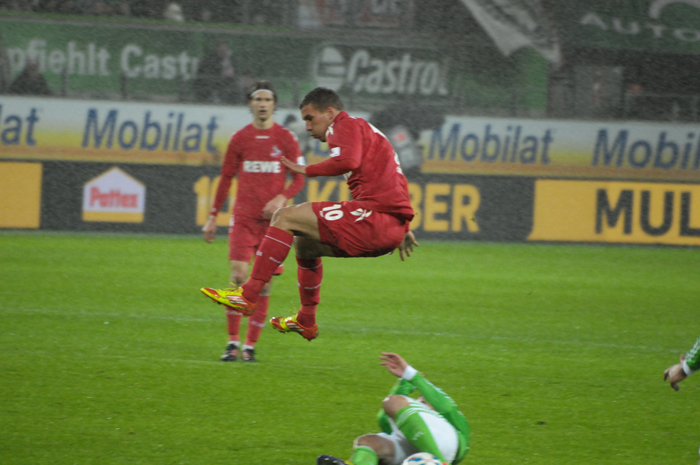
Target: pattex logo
(380,71)
(114,197)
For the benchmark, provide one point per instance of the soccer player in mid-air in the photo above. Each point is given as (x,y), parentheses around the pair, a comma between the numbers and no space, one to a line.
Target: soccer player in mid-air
(376,222)
(431,423)
(254,156)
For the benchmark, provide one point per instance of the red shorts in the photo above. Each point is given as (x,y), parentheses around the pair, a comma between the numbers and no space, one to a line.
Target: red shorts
(244,237)
(352,231)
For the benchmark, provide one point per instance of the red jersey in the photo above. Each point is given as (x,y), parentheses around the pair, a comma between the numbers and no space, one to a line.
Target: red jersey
(255,155)
(371,167)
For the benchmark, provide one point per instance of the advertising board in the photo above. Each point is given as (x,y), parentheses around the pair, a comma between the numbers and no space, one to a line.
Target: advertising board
(104,166)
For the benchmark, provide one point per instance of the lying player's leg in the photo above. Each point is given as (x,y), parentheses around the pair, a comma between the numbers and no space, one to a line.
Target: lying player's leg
(422,427)
(369,449)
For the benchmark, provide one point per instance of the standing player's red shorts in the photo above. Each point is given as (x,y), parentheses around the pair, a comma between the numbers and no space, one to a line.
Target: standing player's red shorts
(353,231)
(244,237)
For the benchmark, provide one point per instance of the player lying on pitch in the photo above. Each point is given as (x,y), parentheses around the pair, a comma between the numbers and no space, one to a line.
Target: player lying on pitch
(432,423)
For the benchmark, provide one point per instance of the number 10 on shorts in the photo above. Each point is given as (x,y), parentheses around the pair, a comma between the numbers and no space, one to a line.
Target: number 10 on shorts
(332,212)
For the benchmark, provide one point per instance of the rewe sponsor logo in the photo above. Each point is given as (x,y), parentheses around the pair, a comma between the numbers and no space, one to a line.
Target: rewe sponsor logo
(114,197)
(252,166)
(361,71)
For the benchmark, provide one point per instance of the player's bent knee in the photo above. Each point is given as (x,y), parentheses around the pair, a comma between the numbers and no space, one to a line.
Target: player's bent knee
(281,217)
(392,404)
(307,248)
(381,446)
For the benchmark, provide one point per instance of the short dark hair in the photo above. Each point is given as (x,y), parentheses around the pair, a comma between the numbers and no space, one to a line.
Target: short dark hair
(322,98)
(262,85)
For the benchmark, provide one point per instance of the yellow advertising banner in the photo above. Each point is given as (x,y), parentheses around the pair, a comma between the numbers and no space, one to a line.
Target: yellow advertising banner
(620,212)
(20,195)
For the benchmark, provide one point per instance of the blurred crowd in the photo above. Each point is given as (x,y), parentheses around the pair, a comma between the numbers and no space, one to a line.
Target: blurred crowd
(261,12)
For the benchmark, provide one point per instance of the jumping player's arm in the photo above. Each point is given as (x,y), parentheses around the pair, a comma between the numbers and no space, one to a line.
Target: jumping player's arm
(689,364)
(228,171)
(345,144)
(407,244)
(291,151)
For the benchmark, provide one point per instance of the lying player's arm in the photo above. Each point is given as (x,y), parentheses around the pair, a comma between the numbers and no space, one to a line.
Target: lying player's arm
(441,402)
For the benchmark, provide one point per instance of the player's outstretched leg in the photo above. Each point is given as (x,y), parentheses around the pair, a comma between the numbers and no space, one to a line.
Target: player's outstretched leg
(231,297)
(290,324)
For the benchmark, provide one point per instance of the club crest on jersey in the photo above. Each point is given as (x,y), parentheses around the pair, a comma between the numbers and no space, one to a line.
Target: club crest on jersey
(275,152)
(335,152)
(361,214)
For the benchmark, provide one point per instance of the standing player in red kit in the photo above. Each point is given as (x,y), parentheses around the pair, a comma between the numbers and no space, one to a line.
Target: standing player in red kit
(374,223)
(255,155)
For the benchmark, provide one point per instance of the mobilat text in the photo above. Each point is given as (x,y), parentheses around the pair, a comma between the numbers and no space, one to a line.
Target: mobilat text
(174,134)
(661,152)
(12,127)
(511,145)
(93,60)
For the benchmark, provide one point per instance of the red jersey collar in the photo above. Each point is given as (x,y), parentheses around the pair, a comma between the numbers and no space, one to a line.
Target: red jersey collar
(339,117)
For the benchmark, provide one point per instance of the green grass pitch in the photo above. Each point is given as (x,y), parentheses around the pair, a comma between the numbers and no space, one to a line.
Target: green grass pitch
(555,353)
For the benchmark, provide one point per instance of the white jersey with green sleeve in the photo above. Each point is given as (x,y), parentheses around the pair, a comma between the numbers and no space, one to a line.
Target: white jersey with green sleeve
(692,359)
(441,402)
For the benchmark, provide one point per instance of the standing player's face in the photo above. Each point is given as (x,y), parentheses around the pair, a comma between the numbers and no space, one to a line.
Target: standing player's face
(317,122)
(263,105)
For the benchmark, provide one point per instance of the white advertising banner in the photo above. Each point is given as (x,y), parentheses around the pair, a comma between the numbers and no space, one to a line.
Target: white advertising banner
(155,133)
